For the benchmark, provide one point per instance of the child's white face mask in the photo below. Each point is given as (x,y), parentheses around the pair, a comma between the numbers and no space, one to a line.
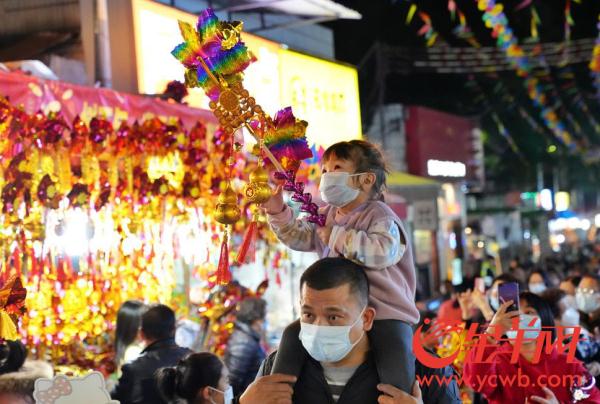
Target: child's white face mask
(335,190)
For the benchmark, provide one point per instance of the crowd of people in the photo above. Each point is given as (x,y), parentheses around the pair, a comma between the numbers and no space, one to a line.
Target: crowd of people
(353,343)
(560,297)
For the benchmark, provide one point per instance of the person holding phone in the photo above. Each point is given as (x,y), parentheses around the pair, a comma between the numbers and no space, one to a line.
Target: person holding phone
(532,314)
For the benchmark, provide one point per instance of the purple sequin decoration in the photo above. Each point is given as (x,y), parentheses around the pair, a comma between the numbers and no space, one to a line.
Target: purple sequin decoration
(300,196)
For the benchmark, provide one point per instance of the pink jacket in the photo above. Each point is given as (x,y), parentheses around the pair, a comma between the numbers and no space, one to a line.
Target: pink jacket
(373,235)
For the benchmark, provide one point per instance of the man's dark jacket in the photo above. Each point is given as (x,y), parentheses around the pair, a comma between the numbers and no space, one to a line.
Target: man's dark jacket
(243,356)
(311,387)
(137,384)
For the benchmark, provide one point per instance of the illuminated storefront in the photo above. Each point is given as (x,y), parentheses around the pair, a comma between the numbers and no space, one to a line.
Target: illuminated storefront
(322,92)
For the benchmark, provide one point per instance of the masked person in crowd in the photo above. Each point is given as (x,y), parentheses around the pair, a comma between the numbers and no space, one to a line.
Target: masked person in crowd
(587,296)
(244,352)
(537,282)
(482,369)
(359,226)
(199,378)
(137,384)
(570,284)
(339,366)
(566,315)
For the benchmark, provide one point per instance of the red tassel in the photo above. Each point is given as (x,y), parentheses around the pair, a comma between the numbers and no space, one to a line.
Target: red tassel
(247,243)
(223,273)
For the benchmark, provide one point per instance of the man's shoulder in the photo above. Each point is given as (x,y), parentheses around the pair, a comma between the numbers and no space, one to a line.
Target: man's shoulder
(158,357)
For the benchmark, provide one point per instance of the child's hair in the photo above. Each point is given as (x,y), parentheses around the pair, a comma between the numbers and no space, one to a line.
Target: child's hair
(192,374)
(367,157)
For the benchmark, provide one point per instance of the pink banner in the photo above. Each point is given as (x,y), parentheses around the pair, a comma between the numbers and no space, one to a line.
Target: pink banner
(71,100)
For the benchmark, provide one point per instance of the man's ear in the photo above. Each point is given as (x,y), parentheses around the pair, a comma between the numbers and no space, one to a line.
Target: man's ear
(368,318)
(204,393)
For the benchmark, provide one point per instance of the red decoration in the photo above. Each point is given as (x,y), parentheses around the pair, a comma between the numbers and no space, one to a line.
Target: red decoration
(248,242)
(223,273)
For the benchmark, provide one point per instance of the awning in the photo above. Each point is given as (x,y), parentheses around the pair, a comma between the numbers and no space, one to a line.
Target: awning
(412,187)
(302,8)
(312,8)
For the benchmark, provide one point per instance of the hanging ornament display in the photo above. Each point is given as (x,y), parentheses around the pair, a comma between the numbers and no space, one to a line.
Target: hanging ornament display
(12,306)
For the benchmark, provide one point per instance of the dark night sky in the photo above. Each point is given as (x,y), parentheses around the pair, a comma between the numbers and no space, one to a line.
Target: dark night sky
(479,95)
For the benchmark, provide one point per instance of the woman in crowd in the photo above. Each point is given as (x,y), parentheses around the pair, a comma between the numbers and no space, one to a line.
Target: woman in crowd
(564,310)
(128,345)
(244,352)
(570,284)
(450,310)
(537,282)
(577,385)
(200,378)
(18,376)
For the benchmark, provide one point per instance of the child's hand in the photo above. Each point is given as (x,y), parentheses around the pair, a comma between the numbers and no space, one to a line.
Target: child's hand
(275,204)
(324,233)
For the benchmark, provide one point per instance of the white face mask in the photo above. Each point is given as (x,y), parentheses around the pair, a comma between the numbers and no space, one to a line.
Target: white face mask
(494,303)
(570,318)
(493,298)
(537,288)
(328,343)
(531,332)
(227,395)
(335,190)
(587,302)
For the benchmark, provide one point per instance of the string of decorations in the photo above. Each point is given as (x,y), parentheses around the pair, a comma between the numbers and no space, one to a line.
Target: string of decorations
(496,20)
(595,61)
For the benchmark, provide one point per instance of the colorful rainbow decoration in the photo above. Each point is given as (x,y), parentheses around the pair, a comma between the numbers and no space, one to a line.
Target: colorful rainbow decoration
(495,19)
(287,141)
(218,45)
(215,58)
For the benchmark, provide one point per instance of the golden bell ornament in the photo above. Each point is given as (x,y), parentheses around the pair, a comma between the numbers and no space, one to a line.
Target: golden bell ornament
(227,210)
(258,190)
(228,197)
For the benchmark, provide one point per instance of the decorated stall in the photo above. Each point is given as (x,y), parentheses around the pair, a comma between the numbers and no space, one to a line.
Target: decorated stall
(107,197)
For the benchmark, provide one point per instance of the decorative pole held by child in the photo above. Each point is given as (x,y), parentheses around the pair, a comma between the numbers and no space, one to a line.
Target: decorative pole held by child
(361,227)
(215,58)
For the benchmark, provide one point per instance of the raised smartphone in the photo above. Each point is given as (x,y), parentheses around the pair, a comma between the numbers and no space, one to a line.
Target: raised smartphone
(509,291)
